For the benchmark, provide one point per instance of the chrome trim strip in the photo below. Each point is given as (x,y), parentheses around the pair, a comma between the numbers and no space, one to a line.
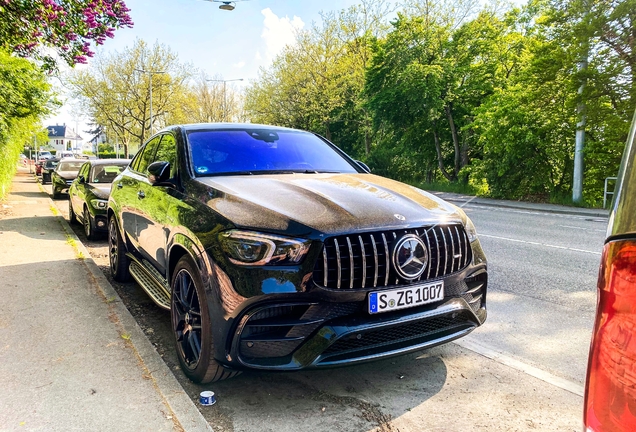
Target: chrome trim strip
(439,258)
(350,263)
(445,251)
(386,251)
(375,254)
(466,246)
(324,260)
(397,281)
(430,253)
(335,241)
(450,232)
(364,262)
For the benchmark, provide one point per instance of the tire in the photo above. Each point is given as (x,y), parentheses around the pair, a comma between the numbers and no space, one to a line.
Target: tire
(119,262)
(89,230)
(191,326)
(72,219)
(56,193)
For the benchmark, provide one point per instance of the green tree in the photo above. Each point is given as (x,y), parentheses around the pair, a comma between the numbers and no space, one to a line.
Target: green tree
(25,97)
(115,91)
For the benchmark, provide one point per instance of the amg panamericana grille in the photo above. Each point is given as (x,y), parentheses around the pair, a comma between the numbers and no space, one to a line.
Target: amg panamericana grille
(364,260)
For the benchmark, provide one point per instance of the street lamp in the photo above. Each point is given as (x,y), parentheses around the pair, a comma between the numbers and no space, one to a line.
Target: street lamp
(224,93)
(150,74)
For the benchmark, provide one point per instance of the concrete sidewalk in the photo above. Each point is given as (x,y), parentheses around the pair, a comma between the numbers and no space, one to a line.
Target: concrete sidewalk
(71,355)
(459,199)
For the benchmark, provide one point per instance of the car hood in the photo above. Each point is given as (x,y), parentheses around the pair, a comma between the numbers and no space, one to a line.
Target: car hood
(101,190)
(67,175)
(329,203)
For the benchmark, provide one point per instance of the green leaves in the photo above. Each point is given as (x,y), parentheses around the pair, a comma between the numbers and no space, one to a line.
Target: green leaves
(67,26)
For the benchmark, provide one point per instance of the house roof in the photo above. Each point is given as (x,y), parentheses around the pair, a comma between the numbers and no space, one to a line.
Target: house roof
(57,132)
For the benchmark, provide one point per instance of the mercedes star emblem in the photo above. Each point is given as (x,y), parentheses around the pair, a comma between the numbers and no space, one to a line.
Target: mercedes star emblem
(410,257)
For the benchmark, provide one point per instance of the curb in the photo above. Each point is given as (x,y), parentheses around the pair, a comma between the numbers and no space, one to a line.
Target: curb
(566,211)
(186,413)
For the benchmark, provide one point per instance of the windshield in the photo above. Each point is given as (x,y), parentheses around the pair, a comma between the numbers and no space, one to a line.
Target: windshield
(262,151)
(70,165)
(106,173)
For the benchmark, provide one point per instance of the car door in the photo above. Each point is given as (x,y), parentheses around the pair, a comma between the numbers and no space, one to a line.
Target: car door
(128,190)
(77,191)
(154,215)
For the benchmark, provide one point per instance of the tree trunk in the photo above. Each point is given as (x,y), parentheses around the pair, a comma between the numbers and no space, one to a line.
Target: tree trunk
(327,131)
(440,159)
(451,123)
(367,137)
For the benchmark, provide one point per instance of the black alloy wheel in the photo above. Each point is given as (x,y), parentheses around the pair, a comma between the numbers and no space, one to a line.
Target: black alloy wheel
(191,326)
(71,213)
(119,262)
(186,319)
(88,225)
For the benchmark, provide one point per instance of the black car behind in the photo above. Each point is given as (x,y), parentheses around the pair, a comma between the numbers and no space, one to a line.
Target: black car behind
(64,174)
(274,250)
(47,169)
(88,194)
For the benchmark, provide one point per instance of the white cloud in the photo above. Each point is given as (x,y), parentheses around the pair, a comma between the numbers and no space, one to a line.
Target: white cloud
(239,65)
(278,32)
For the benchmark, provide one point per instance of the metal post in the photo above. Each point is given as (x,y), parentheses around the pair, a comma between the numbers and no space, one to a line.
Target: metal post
(579,146)
(225,110)
(150,74)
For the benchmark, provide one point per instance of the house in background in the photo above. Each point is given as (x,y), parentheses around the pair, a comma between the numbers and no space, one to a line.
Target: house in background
(63,138)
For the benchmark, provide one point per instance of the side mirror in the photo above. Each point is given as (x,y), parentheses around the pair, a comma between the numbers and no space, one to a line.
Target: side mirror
(158,172)
(364,166)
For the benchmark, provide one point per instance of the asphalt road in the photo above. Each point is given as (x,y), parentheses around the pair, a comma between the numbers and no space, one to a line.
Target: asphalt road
(542,286)
(542,270)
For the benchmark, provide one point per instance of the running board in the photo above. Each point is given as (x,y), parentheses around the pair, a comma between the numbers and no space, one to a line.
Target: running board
(147,282)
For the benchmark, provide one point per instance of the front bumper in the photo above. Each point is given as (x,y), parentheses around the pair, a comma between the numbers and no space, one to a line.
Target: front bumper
(291,335)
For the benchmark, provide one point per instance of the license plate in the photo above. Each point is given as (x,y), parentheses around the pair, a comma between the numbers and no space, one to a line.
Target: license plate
(402,298)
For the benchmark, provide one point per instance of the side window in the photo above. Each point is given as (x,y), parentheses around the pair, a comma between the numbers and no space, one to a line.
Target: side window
(134,164)
(147,157)
(167,152)
(84,171)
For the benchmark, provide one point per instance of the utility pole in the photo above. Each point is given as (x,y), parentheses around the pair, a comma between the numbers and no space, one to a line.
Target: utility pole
(224,93)
(150,74)
(579,145)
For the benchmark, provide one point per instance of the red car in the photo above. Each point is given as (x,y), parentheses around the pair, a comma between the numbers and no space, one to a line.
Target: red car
(610,392)
(38,166)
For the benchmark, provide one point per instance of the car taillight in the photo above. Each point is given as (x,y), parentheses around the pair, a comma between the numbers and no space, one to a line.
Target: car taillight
(610,396)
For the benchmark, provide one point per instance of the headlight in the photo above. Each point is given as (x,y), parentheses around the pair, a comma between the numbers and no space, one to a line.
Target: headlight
(99,204)
(470,230)
(258,249)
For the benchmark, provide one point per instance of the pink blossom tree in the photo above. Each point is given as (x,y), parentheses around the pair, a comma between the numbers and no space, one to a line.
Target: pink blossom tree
(69,27)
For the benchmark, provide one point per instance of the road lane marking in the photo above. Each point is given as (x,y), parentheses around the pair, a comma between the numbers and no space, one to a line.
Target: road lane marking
(565,384)
(590,218)
(539,244)
(584,229)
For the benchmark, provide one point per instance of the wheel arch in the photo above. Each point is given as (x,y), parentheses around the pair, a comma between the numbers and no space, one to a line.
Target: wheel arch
(182,245)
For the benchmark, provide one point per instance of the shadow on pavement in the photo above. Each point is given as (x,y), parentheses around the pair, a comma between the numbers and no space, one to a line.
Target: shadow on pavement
(35,227)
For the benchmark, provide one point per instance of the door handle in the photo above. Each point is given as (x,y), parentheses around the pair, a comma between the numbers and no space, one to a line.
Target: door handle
(119,185)
(141,194)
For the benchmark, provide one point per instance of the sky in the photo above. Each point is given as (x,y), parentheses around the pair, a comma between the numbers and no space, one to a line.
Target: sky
(224,44)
